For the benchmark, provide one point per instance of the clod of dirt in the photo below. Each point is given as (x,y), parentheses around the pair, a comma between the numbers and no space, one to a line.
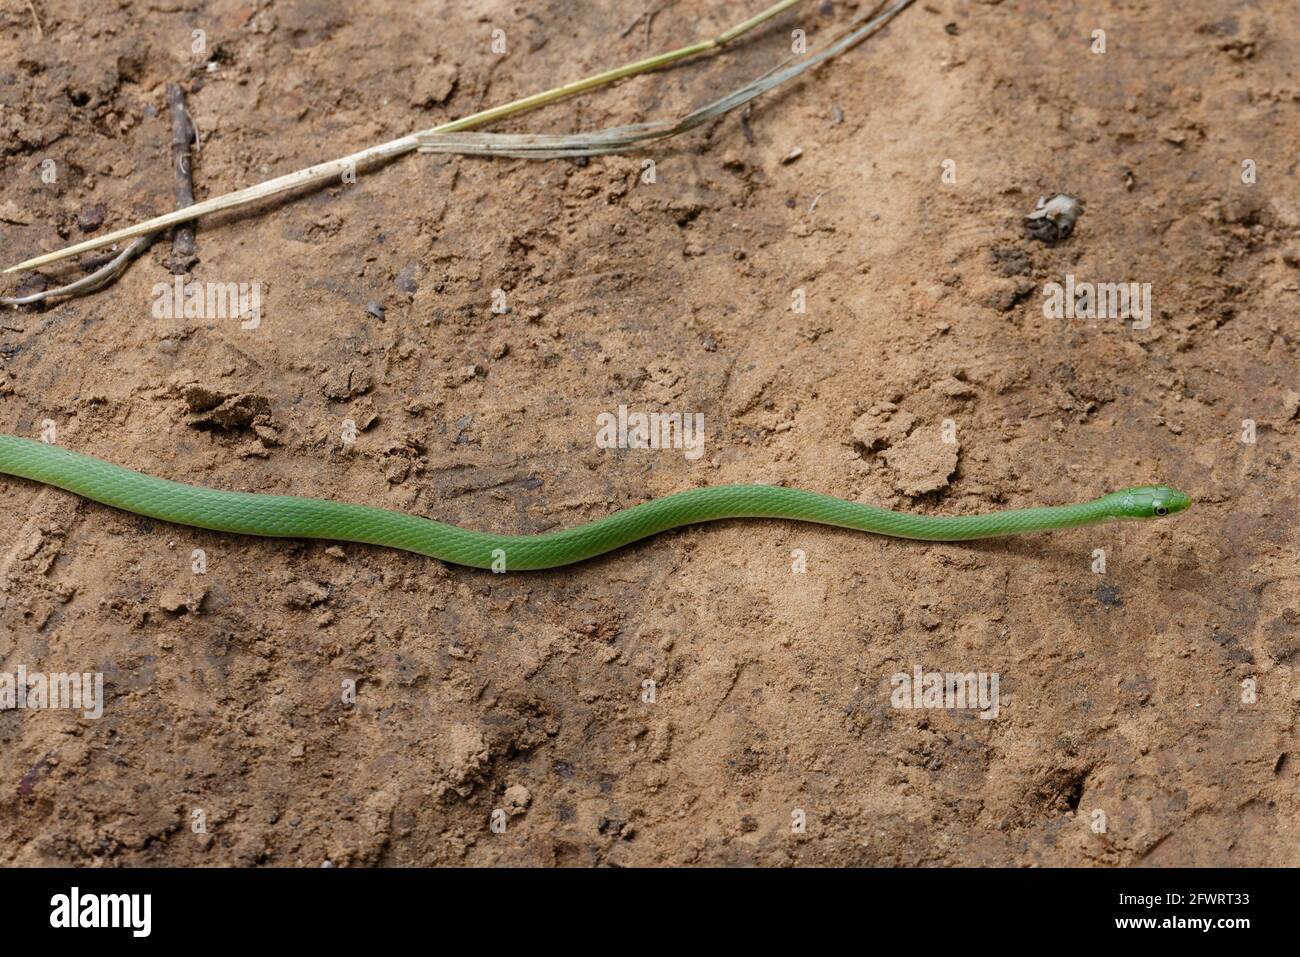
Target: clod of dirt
(1053,219)
(1282,638)
(880,427)
(30,546)
(1058,790)
(1245,209)
(921,463)
(364,414)
(955,387)
(305,594)
(1011,261)
(462,755)
(211,410)
(1290,404)
(1006,297)
(517,799)
(183,596)
(10,212)
(434,85)
(343,384)
(91,217)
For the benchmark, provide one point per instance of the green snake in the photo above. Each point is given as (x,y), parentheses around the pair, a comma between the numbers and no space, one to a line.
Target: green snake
(287,516)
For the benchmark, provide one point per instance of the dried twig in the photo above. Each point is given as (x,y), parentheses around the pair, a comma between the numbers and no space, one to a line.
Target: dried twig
(182,129)
(96,280)
(617,139)
(183,253)
(335,169)
(632,26)
(40,31)
(745,128)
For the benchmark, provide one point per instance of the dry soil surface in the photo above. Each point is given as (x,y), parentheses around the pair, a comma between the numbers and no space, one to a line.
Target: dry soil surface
(839,282)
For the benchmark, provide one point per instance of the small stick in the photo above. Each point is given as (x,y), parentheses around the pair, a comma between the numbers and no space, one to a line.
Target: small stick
(333,169)
(96,280)
(650,17)
(744,124)
(40,33)
(182,131)
(618,139)
(183,253)
(632,26)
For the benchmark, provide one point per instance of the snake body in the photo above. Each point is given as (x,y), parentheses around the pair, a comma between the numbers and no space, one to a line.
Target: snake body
(288,516)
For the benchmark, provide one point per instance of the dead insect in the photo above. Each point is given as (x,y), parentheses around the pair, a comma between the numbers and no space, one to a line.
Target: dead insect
(1053,219)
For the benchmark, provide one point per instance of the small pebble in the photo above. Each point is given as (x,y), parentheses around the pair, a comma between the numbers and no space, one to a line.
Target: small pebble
(91,217)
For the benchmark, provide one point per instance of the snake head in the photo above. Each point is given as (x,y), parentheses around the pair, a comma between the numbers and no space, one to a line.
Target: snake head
(1147,501)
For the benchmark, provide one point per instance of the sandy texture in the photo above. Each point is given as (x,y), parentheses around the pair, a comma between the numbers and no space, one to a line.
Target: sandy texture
(1122,693)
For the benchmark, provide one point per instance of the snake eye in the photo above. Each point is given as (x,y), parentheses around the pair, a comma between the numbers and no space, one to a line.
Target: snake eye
(1161,510)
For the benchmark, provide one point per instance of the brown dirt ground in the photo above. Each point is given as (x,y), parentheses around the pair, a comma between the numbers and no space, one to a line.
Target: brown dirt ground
(1122,693)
